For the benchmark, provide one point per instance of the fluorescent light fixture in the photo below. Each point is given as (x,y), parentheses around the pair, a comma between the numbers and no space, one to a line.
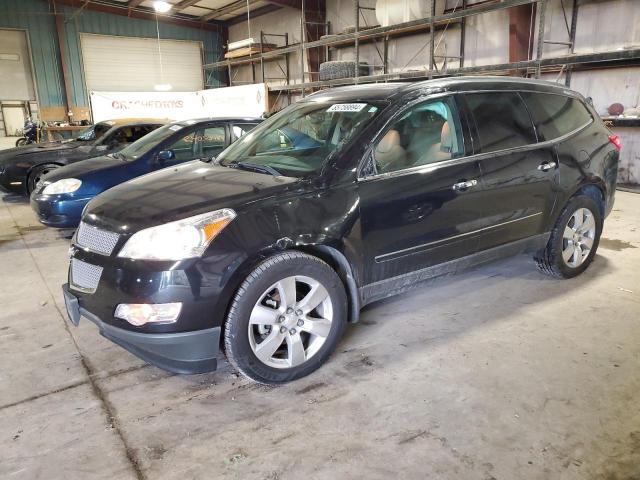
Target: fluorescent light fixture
(162,87)
(161,6)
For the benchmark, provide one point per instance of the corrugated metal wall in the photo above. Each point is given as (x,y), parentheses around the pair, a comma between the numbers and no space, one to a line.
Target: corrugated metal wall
(33,16)
(36,17)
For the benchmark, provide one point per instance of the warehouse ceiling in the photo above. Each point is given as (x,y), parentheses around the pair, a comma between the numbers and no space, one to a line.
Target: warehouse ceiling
(205,11)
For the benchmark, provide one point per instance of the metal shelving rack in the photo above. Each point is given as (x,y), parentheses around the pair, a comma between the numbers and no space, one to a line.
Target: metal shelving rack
(534,67)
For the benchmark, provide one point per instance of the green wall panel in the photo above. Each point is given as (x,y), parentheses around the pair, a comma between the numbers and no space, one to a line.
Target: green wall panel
(38,19)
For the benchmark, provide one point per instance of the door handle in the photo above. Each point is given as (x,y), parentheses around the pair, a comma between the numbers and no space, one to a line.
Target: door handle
(462,186)
(546,166)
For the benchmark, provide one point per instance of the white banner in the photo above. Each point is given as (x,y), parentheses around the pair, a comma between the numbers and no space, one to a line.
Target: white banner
(240,101)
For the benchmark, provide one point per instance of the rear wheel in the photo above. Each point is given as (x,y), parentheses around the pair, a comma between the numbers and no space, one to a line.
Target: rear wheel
(36,175)
(574,240)
(286,318)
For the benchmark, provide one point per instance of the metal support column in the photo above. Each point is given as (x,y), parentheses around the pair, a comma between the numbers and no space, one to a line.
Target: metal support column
(432,39)
(542,5)
(356,12)
(463,28)
(302,35)
(572,39)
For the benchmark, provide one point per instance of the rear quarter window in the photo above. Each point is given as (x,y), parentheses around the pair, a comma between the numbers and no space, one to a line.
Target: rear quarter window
(501,119)
(556,115)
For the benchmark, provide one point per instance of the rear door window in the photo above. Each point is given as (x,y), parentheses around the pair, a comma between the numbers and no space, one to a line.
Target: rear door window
(501,119)
(556,115)
(212,140)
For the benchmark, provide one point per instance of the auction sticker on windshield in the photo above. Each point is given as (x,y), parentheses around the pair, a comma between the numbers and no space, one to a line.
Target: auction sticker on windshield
(346,107)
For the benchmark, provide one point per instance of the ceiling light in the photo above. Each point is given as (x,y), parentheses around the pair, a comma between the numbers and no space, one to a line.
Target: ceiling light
(161,6)
(162,87)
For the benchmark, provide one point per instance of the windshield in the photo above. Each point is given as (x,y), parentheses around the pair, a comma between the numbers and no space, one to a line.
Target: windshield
(297,141)
(146,143)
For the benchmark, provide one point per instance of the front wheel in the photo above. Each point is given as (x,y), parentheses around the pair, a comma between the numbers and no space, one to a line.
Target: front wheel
(286,318)
(36,175)
(21,141)
(574,239)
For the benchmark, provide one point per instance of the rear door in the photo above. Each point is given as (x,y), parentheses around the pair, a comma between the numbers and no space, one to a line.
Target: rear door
(420,199)
(519,177)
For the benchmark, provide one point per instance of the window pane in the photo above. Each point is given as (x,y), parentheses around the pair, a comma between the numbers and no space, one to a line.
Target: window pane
(239,129)
(212,141)
(556,115)
(429,132)
(183,147)
(502,120)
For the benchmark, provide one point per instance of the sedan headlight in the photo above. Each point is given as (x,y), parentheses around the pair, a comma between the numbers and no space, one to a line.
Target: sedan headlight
(66,185)
(177,240)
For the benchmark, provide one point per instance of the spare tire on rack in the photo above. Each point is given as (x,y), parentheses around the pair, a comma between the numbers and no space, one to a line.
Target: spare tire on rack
(341,69)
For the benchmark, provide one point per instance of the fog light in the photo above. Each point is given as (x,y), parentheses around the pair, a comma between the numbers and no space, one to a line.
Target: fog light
(141,313)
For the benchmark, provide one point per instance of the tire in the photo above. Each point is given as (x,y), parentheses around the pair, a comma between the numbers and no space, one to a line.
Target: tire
(551,261)
(260,298)
(341,69)
(21,141)
(37,173)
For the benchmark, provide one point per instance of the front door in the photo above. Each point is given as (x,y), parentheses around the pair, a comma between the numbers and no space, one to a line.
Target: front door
(421,203)
(519,178)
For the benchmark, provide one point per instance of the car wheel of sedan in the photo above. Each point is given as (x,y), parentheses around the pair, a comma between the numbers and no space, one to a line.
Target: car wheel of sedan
(286,318)
(574,240)
(36,175)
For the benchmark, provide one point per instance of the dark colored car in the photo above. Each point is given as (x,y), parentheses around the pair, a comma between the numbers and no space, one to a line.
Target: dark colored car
(272,249)
(22,168)
(60,197)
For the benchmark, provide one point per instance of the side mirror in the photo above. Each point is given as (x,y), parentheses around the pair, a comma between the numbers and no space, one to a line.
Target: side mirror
(166,155)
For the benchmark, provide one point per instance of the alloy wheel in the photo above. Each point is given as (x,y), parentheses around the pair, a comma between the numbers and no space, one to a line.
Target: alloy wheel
(578,237)
(290,322)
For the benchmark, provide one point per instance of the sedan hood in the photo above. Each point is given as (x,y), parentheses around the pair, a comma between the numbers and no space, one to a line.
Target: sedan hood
(49,151)
(82,169)
(179,192)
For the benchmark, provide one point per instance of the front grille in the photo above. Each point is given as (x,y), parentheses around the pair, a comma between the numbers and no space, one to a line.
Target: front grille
(84,276)
(96,239)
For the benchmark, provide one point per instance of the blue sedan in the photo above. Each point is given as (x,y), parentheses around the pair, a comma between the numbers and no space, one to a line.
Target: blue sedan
(60,196)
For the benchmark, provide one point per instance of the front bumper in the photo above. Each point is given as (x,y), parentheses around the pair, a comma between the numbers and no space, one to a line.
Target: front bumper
(181,352)
(60,211)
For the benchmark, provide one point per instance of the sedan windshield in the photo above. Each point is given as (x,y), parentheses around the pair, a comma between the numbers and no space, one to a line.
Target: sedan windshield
(299,140)
(146,143)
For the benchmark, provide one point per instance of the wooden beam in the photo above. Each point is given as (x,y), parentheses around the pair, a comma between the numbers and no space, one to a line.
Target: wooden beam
(183,4)
(134,3)
(254,13)
(287,3)
(238,4)
(124,10)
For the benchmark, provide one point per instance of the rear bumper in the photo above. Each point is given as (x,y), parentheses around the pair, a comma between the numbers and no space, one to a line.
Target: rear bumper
(58,211)
(182,352)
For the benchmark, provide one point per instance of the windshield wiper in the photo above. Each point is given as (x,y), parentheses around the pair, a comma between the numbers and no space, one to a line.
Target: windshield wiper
(256,168)
(118,155)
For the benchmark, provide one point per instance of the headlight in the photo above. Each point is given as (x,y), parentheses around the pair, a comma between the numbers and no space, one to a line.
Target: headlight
(66,185)
(178,240)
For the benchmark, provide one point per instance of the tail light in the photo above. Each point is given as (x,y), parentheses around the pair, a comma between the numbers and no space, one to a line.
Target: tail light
(615,139)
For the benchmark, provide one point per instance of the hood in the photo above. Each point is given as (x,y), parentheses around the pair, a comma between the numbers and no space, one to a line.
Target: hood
(84,168)
(180,192)
(51,151)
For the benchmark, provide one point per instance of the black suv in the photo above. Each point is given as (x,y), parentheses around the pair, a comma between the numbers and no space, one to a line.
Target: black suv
(349,196)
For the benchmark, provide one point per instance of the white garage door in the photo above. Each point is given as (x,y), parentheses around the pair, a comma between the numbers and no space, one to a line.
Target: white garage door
(129,64)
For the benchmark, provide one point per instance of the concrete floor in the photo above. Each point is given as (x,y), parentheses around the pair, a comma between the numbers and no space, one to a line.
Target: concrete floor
(499,373)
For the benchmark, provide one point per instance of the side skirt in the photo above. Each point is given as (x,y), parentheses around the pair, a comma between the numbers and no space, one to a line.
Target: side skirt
(395,285)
